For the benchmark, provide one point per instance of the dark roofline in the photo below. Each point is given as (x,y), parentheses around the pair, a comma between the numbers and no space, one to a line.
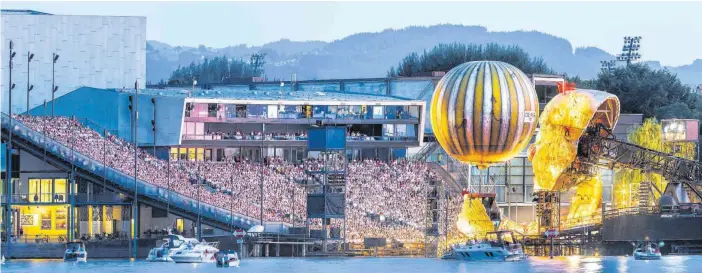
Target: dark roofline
(169,95)
(24,12)
(249,82)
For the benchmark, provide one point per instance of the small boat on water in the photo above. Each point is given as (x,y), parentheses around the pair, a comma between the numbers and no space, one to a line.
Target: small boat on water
(498,246)
(2,260)
(75,252)
(202,252)
(168,246)
(647,250)
(227,258)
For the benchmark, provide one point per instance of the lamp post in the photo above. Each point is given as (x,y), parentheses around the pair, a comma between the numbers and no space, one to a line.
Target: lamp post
(263,136)
(30,56)
(231,205)
(153,124)
(199,182)
(193,90)
(53,83)
(8,178)
(135,124)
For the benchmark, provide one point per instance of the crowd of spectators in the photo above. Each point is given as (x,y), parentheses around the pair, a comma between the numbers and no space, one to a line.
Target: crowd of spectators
(387,200)
(258,135)
(383,199)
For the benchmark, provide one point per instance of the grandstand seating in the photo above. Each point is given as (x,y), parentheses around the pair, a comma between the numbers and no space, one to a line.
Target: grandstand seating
(384,199)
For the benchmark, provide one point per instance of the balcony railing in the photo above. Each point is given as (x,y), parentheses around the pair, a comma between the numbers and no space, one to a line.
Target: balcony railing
(24,198)
(222,117)
(293,138)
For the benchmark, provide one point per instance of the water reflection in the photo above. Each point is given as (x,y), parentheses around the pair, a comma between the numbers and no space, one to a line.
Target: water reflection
(622,264)
(674,264)
(591,264)
(580,264)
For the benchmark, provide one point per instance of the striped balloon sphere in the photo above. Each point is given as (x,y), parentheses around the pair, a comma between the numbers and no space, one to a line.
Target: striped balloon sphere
(484,112)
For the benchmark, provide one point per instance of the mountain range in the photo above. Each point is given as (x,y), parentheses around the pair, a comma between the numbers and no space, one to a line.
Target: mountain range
(367,55)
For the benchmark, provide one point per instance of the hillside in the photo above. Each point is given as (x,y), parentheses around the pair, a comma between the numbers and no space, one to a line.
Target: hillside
(372,54)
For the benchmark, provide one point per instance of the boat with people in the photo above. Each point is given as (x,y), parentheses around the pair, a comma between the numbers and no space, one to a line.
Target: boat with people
(75,252)
(168,246)
(497,246)
(202,252)
(227,258)
(647,250)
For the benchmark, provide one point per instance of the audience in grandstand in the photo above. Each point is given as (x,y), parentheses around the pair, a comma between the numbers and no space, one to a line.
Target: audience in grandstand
(383,199)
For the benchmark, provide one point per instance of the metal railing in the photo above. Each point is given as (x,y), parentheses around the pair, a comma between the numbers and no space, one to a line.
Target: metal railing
(290,138)
(581,222)
(24,198)
(39,239)
(684,210)
(614,213)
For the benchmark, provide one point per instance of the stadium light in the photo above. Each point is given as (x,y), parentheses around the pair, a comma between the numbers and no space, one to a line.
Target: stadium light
(607,66)
(53,82)
(30,56)
(8,174)
(630,49)
(153,123)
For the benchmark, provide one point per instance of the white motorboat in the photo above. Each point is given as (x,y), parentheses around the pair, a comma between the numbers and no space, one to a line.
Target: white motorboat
(227,258)
(2,260)
(75,252)
(202,252)
(168,246)
(647,250)
(499,246)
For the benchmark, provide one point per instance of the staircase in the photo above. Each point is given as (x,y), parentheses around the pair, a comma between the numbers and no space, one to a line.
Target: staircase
(645,194)
(89,169)
(425,152)
(451,183)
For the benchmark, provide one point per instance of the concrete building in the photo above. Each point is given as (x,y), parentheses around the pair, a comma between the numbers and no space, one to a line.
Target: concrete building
(95,51)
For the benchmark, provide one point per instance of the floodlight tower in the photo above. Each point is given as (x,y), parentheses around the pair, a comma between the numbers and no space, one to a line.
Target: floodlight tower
(607,66)
(630,50)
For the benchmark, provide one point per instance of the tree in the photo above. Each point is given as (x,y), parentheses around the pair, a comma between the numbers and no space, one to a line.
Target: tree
(443,57)
(217,70)
(654,93)
(627,181)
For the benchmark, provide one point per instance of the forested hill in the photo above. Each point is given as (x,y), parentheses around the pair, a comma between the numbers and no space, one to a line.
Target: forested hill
(372,54)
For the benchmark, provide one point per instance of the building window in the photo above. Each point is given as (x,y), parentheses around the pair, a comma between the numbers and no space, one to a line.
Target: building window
(180,225)
(188,109)
(40,190)
(212,110)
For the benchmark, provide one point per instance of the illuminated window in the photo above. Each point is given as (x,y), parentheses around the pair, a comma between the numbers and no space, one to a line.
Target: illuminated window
(180,225)
(191,154)
(174,154)
(46,190)
(60,187)
(200,154)
(40,190)
(183,154)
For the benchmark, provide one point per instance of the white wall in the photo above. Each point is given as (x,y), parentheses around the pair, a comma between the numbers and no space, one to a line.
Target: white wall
(95,51)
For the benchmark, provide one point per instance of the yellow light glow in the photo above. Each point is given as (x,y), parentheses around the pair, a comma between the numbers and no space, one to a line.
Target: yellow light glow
(473,219)
(627,181)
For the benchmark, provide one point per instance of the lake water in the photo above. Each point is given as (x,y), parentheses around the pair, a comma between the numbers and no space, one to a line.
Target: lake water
(370,265)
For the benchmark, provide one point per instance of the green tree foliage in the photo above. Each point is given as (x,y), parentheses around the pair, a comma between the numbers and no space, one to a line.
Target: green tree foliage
(652,92)
(216,70)
(443,57)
